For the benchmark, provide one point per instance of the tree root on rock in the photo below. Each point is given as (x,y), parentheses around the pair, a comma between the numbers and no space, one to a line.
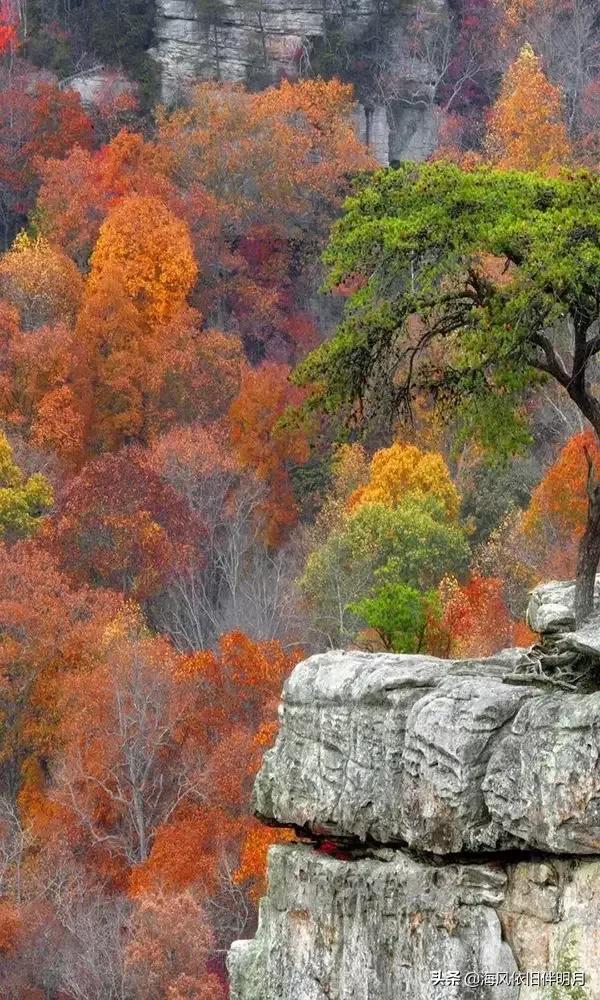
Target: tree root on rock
(545,664)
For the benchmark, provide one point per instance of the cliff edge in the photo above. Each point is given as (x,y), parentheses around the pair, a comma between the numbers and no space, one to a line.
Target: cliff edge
(462,800)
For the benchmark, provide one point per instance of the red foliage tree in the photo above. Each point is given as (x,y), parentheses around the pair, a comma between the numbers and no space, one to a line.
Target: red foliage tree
(8,31)
(475,617)
(36,120)
(119,525)
(49,627)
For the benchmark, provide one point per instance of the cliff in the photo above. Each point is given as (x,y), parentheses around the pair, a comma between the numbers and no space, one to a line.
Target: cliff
(462,800)
(258,41)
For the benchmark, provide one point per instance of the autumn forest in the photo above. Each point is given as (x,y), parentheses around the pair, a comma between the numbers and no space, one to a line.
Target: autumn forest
(212,463)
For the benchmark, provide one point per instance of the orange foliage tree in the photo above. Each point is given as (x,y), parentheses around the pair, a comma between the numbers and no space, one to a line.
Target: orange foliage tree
(169,951)
(254,854)
(238,687)
(37,397)
(77,191)
(561,496)
(264,446)
(136,379)
(49,628)
(516,12)
(153,251)
(269,156)
(556,517)
(10,924)
(113,369)
(115,379)
(475,617)
(526,131)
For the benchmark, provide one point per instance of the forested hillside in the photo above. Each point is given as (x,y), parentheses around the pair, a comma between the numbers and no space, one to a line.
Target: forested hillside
(214,457)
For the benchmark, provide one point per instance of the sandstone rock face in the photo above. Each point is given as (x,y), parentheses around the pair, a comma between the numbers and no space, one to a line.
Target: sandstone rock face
(383,927)
(543,780)
(258,41)
(352,930)
(442,757)
(550,918)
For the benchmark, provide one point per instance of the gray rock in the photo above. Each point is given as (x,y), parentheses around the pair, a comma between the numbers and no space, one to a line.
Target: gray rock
(552,606)
(584,640)
(442,757)
(371,929)
(550,917)
(381,927)
(551,612)
(92,85)
(542,781)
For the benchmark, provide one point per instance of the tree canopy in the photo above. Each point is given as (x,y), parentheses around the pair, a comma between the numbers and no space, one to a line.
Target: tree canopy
(472,287)
(470,284)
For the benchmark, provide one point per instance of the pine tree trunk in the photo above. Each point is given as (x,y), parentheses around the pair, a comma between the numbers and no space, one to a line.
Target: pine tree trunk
(588,557)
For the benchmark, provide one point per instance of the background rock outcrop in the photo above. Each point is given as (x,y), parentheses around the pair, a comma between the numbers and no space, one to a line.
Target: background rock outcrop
(258,42)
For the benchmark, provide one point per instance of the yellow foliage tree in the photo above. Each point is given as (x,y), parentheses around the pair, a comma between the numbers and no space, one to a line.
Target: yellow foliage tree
(404,469)
(40,281)
(515,12)
(152,250)
(526,129)
(22,501)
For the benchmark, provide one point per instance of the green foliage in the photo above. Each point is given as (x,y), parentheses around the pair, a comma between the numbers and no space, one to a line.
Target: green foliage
(415,540)
(311,480)
(22,501)
(488,261)
(350,55)
(415,544)
(490,490)
(398,613)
